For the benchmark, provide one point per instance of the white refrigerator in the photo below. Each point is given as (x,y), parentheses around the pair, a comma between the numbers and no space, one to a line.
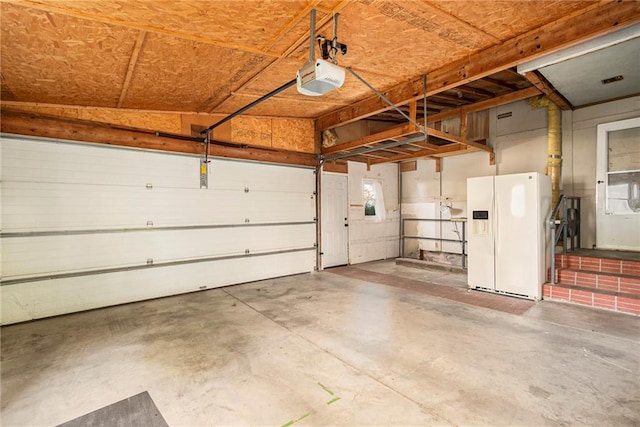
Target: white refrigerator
(508,236)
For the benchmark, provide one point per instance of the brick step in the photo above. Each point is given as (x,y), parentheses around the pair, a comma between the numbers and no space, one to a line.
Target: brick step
(602,265)
(598,298)
(599,280)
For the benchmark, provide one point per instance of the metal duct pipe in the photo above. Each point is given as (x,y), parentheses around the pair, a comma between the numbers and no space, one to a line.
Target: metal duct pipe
(554,143)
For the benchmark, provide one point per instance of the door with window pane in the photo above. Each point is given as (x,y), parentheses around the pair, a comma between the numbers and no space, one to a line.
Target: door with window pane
(618,185)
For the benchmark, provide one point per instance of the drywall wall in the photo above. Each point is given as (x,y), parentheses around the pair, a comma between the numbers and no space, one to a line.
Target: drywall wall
(518,135)
(369,238)
(424,191)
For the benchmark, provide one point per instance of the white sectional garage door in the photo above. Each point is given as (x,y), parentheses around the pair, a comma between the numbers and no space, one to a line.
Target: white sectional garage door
(87,226)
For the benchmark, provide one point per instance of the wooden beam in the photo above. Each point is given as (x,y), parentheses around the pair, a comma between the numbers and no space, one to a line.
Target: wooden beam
(133,60)
(438,165)
(425,144)
(396,150)
(338,167)
(443,150)
(16,122)
(475,91)
(408,166)
(463,125)
(413,110)
(594,21)
(308,99)
(458,140)
(544,86)
(394,132)
(500,83)
(486,104)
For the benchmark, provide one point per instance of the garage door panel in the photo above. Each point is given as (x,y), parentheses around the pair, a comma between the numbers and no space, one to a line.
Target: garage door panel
(260,177)
(174,207)
(44,206)
(34,300)
(86,226)
(40,255)
(29,160)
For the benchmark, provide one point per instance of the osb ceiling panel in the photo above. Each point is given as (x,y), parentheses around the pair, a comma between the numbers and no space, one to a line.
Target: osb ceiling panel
(400,39)
(242,23)
(183,75)
(53,58)
(298,34)
(506,19)
(285,70)
(283,104)
(217,56)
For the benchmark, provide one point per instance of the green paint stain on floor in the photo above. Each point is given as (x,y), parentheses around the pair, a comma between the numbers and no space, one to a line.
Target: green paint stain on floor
(303,417)
(292,422)
(335,399)
(325,388)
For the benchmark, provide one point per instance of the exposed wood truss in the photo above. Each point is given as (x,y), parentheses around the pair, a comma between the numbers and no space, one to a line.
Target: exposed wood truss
(598,20)
(204,59)
(447,144)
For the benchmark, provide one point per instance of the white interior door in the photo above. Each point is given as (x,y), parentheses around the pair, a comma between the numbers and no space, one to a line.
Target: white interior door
(335,232)
(618,185)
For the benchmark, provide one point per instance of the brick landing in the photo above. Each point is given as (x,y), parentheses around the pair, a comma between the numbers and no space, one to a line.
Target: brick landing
(479,299)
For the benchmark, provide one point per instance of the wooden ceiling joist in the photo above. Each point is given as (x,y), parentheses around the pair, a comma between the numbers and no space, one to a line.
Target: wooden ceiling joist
(543,85)
(458,140)
(401,131)
(499,83)
(445,149)
(599,19)
(484,105)
(394,132)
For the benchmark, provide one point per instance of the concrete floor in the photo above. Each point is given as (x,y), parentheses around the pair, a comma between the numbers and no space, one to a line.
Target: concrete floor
(283,351)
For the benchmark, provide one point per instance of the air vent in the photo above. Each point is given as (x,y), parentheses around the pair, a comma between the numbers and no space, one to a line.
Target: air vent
(612,79)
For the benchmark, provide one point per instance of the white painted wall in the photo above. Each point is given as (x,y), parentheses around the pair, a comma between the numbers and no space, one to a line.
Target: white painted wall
(520,144)
(423,192)
(370,239)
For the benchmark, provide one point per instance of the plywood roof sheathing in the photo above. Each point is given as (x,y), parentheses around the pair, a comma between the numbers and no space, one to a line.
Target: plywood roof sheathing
(132,66)
(292,48)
